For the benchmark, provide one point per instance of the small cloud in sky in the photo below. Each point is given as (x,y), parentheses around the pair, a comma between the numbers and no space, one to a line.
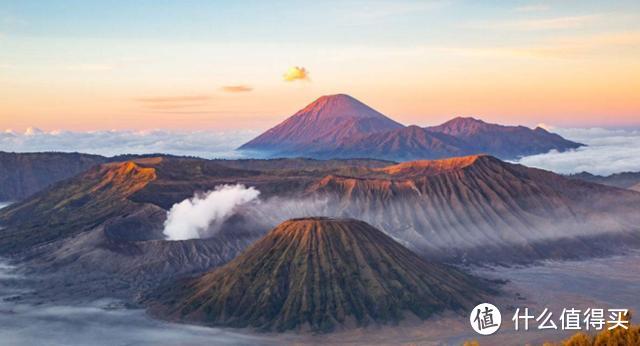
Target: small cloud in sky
(236,88)
(173,102)
(296,73)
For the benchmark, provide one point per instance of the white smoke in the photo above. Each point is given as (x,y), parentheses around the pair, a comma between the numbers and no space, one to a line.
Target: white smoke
(202,215)
(271,212)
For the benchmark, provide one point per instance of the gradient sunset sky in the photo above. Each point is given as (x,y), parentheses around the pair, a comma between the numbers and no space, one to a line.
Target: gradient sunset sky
(93,65)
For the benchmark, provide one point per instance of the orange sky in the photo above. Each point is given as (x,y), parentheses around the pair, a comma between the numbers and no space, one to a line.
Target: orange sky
(566,66)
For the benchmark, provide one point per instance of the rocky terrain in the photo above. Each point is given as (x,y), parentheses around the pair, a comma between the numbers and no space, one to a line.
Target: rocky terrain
(101,232)
(464,208)
(625,180)
(319,274)
(339,126)
(23,174)
(405,144)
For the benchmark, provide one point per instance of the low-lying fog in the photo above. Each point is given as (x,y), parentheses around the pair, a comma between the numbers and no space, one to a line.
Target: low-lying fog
(104,322)
(606,282)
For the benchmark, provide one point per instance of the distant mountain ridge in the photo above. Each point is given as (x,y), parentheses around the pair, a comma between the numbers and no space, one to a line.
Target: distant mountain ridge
(339,126)
(23,174)
(624,180)
(404,144)
(503,141)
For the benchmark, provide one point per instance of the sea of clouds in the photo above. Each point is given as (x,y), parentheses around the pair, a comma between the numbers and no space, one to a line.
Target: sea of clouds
(103,322)
(608,151)
(207,144)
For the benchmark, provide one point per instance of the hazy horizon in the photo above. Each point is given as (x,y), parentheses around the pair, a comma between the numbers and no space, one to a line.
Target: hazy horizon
(608,151)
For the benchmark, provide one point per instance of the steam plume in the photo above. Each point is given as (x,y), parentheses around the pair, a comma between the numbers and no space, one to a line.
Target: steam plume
(202,215)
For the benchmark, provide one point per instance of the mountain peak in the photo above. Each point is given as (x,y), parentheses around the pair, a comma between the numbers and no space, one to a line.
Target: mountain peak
(462,126)
(321,125)
(338,106)
(359,275)
(345,97)
(434,167)
(468,120)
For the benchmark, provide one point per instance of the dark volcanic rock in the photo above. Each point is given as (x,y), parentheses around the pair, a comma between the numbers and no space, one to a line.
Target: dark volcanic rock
(624,180)
(447,209)
(73,206)
(453,209)
(23,174)
(319,274)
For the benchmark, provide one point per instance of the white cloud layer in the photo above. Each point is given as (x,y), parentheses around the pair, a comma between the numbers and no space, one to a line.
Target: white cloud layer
(207,144)
(608,151)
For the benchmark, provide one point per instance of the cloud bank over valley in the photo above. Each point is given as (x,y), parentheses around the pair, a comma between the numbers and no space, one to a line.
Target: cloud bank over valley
(608,151)
(206,144)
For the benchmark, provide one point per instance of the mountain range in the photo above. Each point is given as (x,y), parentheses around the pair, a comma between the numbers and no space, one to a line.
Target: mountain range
(330,243)
(339,126)
(23,174)
(624,180)
(448,209)
(100,233)
(319,274)
(457,209)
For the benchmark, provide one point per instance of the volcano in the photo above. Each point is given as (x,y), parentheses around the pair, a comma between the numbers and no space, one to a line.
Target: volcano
(405,144)
(320,125)
(458,208)
(339,126)
(319,274)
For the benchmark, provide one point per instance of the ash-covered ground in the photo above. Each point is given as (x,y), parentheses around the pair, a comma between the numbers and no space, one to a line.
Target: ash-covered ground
(597,283)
